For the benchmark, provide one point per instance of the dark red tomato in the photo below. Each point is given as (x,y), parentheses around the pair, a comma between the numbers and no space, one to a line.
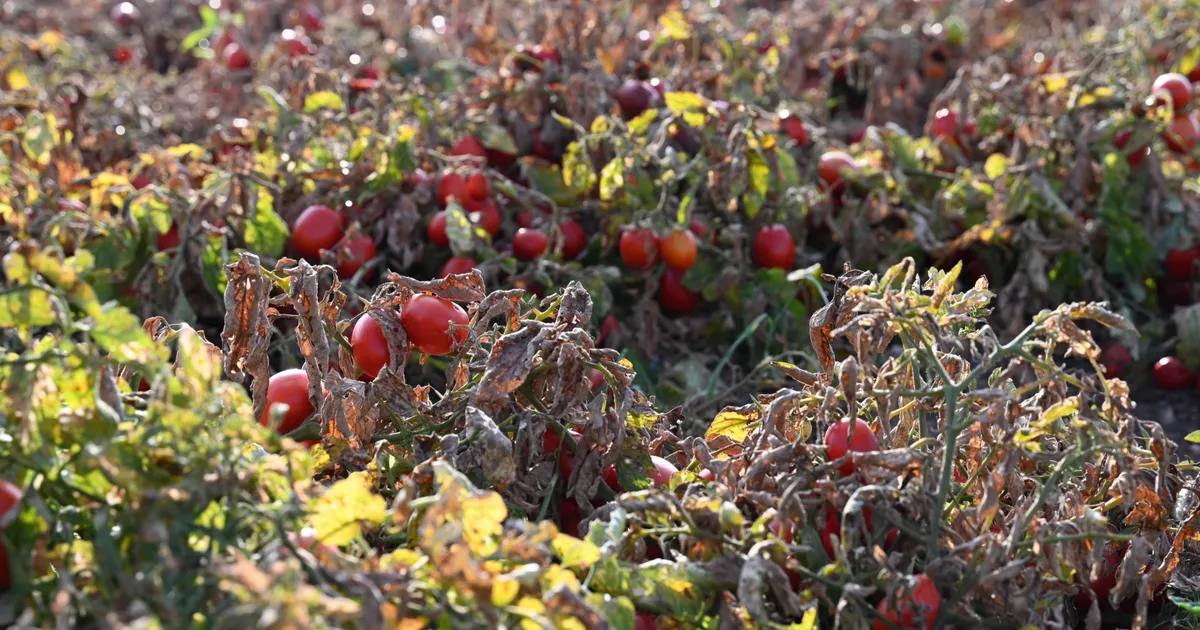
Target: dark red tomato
(945,125)
(552,439)
(634,97)
(469,146)
(774,247)
(370,346)
(362,250)
(223,41)
(1173,291)
(701,230)
(296,44)
(310,19)
(1171,373)
(678,249)
(140,181)
(529,244)
(458,264)
(525,218)
(639,248)
(595,379)
(832,167)
(125,14)
(427,319)
(1182,133)
(289,387)
(914,608)
(839,442)
(437,229)
(1134,156)
(857,134)
(318,227)
(674,297)
(169,239)
(487,217)
(660,86)
(1180,262)
(791,125)
(569,517)
(706,474)
(551,442)
(574,239)
(478,187)
(545,55)
(1173,88)
(452,185)
(645,621)
(236,57)
(1115,359)
(369,72)
(831,528)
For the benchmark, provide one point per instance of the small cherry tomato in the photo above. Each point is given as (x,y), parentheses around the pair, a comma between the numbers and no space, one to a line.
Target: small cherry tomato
(1115,359)
(839,442)
(469,146)
(1173,88)
(236,57)
(1182,133)
(791,125)
(832,168)
(453,185)
(487,217)
(645,621)
(1181,262)
(574,239)
(437,229)
(427,320)
(478,187)
(1134,156)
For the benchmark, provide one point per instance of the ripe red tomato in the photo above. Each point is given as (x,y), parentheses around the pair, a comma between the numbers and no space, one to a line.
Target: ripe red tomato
(701,230)
(427,319)
(645,621)
(1171,373)
(458,264)
(678,249)
(574,239)
(236,57)
(1180,262)
(674,297)
(310,19)
(450,185)
(318,227)
(774,247)
(1182,133)
(469,146)
(945,125)
(529,244)
(1115,359)
(362,250)
(437,229)
(545,54)
(595,379)
(634,97)
(663,469)
(122,54)
(168,239)
(289,387)
(915,608)
(639,248)
(487,217)
(1174,88)
(838,442)
(140,181)
(791,125)
(1134,156)
(296,44)
(370,346)
(569,517)
(660,86)
(832,527)
(478,187)
(551,441)
(609,326)
(831,168)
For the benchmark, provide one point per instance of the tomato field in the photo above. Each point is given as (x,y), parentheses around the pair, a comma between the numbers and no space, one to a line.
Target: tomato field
(599,314)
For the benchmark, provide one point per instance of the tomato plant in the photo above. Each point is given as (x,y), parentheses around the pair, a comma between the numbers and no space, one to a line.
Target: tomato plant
(1115,359)
(370,346)
(437,229)
(317,228)
(427,320)
(236,57)
(839,442)
(678,249)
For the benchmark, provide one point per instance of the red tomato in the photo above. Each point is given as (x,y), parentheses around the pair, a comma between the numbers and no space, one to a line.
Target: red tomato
(529,244)
(487,217)
(318,227)
(595,379)
(370,346)
(1115,359)
(609,326)
(545,55)
(791,125)
(478,187)
(427,319)
(945,125)
(832,527)
(122,54)
(1174,88)
(362,251)
(639,249)
(469,146)
(660,86)
(169,239)
(836,446)
(574,239)
(706,474)
(1173,291)
(634,97)
(915,608)
(551,441)
(1135,156)
(141,181)
(1180,262)
(289,387)
(663,469)
(437,229)
(458,264)
(1171,373)
(774,247)
(831,168)
(451,185)
(236,57)
(310,19)
(678,249)
(569,517)
(675,297)
(296,44)
(701,230)
(645,621)
(1182,133)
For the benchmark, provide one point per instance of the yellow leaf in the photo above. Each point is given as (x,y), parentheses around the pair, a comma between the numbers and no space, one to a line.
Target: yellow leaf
(50,41)
(193,151)
(532,606)
(105,181)
(680,102)
(17,80)
(1055,82)
(732,425)
(483,518)
(568,623)
(809,621)
(575,552)
(1058,410)
(504,590)
(995,166)
(339,514)
(555,576)
(675,25)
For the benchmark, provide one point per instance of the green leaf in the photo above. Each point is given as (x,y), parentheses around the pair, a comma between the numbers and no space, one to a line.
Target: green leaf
(1190,606)
(680,102)
(1194,436)
(119,333)
(274,98)
(577,171)
(26,309)
(323,100)
(619,612)
(38,139)
(339,515)
(995,166)
(212,265)
(498,138)
(149,210)
(550,182)
(266,233)
(459,229)
(753,203)
(760,173)
(194,38)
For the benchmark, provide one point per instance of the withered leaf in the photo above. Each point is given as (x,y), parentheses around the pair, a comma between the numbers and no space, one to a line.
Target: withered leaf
(509,365)
(247,330)
(495,450)
(464,287)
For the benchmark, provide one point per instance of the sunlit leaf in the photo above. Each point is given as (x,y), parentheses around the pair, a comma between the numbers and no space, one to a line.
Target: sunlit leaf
(680,102)
(266,233)
(121,335)
(995,166)
(339,514)
(675,25)
(575,552)
(323,100)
